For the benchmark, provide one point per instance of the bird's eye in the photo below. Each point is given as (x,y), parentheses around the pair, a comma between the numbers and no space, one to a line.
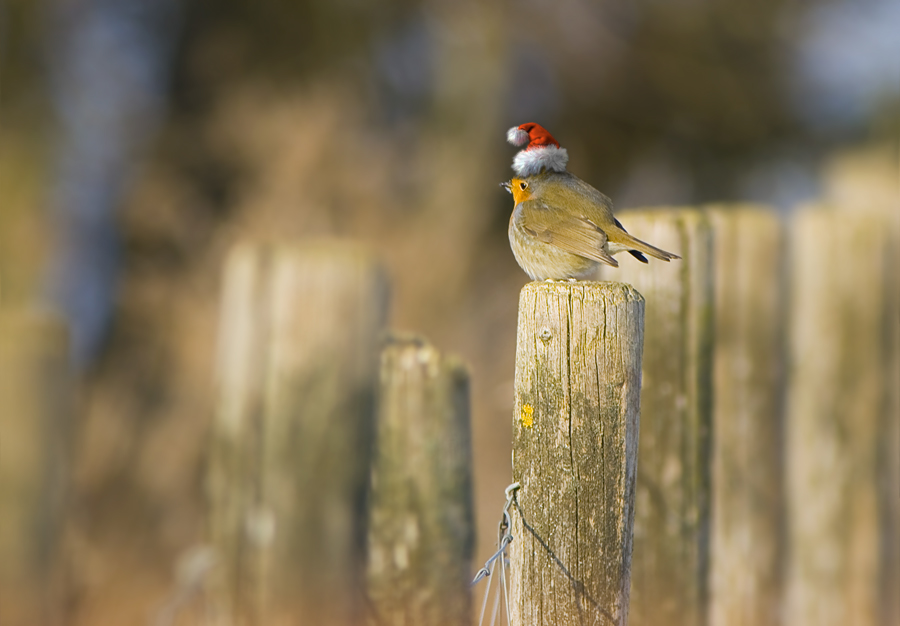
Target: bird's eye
(523,185)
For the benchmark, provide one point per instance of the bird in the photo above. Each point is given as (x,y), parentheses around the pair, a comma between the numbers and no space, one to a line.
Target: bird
(561,227)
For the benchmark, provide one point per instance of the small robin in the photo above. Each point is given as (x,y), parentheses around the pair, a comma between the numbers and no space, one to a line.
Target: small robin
(561,227)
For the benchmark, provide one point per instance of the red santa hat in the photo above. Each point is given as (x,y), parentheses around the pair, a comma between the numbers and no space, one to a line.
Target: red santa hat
(542,151)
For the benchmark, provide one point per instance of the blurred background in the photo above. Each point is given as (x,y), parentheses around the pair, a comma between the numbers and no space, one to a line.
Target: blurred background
(140,140)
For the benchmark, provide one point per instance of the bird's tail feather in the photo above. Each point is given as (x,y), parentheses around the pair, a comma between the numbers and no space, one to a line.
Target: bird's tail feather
(643,246)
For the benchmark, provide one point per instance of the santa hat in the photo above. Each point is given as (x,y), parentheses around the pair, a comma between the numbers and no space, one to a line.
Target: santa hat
(542,151)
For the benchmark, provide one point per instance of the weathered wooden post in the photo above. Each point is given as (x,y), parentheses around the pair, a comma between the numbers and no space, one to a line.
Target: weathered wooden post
(864,182)
(421,525)
(671,529)
(578,379)
(747,546)
(840,432)
(290,455)
(35,430)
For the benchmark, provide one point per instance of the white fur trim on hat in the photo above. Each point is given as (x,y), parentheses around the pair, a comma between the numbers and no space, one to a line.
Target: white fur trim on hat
(516,136)
(532,161)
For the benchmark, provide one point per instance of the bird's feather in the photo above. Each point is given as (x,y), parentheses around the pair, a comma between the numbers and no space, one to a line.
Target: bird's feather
(634,243)
(582,199)
(567,232)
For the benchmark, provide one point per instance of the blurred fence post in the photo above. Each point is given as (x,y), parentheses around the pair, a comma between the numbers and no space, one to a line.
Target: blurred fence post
(747,547)
(35,430)
(575,431)
(421,525)
(841,432)
(290,455)
(672,510)
(864,182)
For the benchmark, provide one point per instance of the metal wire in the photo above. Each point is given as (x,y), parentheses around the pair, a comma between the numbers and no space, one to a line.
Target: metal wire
(504,538)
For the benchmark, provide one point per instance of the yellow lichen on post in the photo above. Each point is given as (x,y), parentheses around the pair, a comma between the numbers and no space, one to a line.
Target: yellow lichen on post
(527,417)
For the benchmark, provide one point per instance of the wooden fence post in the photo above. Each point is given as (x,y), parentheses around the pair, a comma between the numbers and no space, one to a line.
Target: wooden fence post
(747,544)
(864,182)
(842,525)
(290,455)
(35,434)
(575,431)
(421,519)
(671,529)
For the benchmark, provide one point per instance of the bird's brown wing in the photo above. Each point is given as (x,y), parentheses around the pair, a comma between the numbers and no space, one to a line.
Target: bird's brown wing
(565,231)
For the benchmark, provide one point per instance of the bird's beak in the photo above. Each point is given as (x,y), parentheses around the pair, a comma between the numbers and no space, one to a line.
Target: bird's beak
(506,186)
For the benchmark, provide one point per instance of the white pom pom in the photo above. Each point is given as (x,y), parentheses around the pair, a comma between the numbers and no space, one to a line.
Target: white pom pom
(516,136)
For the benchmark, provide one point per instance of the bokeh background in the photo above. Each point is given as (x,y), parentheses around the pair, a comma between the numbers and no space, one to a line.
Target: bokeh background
(140,140)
